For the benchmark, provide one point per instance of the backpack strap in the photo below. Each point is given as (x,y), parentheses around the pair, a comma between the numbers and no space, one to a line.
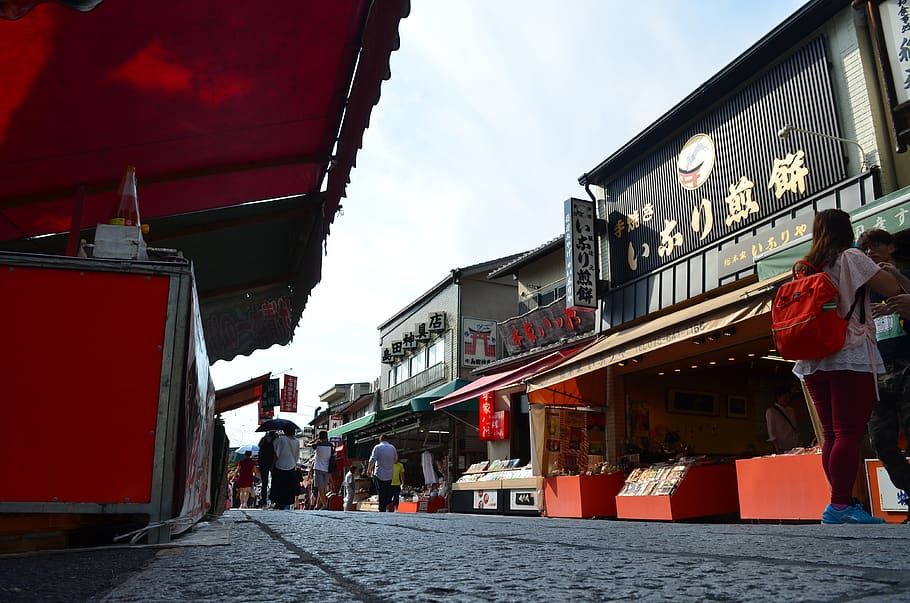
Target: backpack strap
(860,294)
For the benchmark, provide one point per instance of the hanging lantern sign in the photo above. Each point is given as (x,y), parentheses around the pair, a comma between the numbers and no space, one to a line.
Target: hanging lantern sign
(485,421)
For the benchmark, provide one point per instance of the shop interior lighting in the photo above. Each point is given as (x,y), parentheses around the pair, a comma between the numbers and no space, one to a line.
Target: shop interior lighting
(437,431)
(637,359)
(729,331)
(714,336)
(787,130)
(699,340)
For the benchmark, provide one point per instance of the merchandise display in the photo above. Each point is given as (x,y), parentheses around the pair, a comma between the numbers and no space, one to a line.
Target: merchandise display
(662,479)
(495,470)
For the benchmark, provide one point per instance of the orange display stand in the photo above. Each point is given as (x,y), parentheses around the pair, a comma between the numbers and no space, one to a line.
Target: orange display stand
(875,501)
(424,504)
(782,487)
(582,495)
(706,490)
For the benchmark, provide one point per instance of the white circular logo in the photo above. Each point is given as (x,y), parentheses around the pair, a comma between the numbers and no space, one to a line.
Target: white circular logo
(695,162)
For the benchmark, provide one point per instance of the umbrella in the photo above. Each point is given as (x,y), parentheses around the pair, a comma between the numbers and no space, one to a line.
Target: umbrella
(277,425)
(240,452)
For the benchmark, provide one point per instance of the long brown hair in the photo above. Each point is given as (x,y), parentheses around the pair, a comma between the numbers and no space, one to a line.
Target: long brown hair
(832,233)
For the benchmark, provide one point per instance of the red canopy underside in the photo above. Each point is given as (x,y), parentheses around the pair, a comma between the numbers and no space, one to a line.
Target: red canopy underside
(217,104)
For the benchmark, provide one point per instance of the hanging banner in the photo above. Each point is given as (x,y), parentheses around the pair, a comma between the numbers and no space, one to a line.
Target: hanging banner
(485,421)
(265,413)
(289,394)
(270,393)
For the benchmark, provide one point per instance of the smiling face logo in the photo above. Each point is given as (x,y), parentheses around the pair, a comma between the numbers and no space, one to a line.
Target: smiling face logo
(695,162)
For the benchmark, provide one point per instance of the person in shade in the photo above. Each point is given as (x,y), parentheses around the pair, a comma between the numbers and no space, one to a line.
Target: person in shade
(780,419)
(892,409)
(843,384)
(380,468)
(266,460)
(285,477)
(350,484)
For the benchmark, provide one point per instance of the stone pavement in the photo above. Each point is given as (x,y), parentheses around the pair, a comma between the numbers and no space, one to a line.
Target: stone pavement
(331,556)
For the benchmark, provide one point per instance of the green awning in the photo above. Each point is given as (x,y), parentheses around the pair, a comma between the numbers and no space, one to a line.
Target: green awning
(352,425)
(891,213)
(423,402)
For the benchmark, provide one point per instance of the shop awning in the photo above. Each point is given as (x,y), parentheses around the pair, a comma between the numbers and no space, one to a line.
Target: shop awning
(243,120)
(422,402)
(712,314)
(891,213)
(504,379)
(241,394)
(352,425)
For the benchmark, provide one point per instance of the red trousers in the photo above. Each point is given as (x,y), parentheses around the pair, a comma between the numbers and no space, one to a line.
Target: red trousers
(844,401)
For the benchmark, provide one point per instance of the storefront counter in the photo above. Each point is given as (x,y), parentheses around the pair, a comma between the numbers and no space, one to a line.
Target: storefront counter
(582,495)
(706,490)
(784,486)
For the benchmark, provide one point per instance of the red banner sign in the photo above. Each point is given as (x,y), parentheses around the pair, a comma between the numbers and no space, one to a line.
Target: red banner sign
(289,394)
(485,421)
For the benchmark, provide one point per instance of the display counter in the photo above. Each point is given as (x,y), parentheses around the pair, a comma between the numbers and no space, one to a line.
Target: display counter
(783,486)
(582,495)
(679,491)
(497,487)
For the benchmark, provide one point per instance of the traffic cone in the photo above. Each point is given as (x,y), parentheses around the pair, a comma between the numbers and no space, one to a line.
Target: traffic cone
(126,210)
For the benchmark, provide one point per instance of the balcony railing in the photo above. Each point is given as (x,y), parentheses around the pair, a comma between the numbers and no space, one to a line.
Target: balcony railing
(434,375)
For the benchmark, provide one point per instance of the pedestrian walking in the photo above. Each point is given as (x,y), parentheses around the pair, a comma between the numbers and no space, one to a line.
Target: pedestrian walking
(891,411)
(397,483)
(380,468)
(246,469)
(266,460)
(843,384)
(285,477)
(323,450)
(350,481)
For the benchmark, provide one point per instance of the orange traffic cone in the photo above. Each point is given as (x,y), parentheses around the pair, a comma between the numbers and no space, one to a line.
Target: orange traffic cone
(126,210)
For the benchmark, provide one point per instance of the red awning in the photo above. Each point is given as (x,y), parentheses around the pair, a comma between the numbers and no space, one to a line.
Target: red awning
(241,394)
(506,379)
(218,105)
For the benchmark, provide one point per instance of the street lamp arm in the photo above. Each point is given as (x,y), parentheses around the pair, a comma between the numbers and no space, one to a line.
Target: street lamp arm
(786,130)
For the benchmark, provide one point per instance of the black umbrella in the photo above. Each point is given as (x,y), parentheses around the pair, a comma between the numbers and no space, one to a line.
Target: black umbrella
(277,425)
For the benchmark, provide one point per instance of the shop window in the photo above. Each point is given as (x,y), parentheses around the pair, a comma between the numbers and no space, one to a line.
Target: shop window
(436,352)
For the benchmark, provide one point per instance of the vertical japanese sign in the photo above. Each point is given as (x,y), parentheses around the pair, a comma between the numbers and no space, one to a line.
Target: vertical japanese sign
(270,394)
(485,421)
(289,394)
(581,263)
(895,15)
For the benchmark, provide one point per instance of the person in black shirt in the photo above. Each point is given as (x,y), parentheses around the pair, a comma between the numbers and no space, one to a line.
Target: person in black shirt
(892,409)
(266,460)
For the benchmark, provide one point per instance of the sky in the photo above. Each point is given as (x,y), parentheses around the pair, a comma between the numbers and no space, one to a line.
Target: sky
(492,112)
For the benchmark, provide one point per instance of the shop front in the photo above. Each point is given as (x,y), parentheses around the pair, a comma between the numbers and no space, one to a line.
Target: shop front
(506,480)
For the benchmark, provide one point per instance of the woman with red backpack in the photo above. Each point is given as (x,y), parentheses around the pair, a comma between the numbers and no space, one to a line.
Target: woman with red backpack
(843,384)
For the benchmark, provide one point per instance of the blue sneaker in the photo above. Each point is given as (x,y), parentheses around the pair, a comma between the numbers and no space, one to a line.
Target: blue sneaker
(851,514)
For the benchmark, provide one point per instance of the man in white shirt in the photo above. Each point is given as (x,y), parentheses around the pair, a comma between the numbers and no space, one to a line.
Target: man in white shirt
(380,468)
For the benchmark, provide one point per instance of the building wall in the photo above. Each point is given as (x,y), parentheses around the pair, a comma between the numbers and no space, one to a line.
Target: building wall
(445,301)
(542,275)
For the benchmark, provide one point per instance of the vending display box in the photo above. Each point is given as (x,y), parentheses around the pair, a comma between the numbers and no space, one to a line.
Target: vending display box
(885,499)
(582,495)
(683,491)
(782,487)
(106,393)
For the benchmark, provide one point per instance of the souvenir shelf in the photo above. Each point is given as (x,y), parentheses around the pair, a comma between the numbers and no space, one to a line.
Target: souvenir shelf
(782,486)
(498,486)
(679,490)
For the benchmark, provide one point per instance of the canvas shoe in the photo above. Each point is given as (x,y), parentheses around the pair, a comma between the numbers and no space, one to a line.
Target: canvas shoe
(851,514)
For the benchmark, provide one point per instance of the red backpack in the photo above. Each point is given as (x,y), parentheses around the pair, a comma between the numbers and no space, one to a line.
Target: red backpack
(804,318)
